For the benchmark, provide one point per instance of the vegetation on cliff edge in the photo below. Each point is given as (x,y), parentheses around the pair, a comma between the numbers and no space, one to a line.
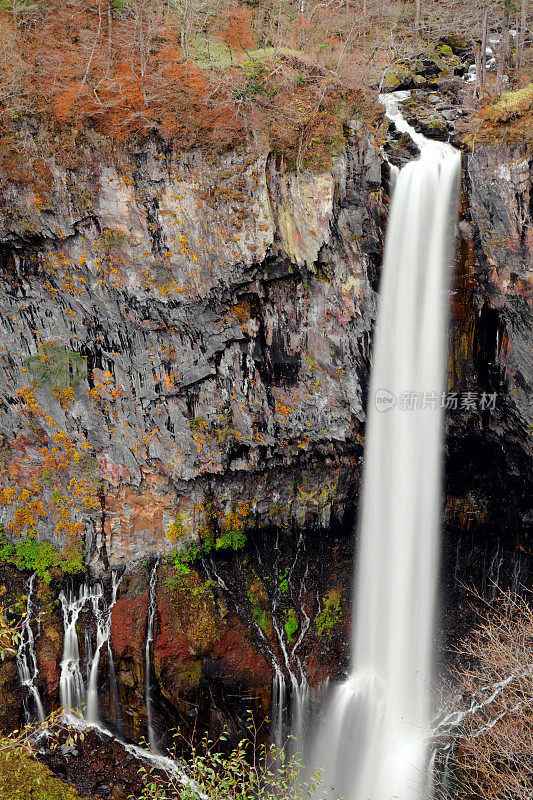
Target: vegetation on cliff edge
(210,73)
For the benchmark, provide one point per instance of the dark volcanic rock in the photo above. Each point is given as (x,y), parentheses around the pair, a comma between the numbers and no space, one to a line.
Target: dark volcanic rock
(98,766)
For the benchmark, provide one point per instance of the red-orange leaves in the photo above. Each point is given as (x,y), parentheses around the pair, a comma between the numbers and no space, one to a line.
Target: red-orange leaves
(235,28)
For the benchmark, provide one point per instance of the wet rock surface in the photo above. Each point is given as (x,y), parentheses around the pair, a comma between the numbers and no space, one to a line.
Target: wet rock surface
(97,766)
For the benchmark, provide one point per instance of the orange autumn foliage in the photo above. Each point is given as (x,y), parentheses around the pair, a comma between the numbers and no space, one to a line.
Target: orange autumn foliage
(235,29)
(121,75)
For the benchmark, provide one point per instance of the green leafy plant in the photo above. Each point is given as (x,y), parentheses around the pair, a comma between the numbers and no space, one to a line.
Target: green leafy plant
(198,424)
(258,597)
(291,624)
(230,540)
(177,529)
(249,771)
(9,634)
(113,238)
(56,365)
(41,557)
(284,582)
(182,561)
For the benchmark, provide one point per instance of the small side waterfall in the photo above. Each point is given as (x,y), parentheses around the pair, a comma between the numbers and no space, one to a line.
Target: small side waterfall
(373,742)
(72,693)
(279,702)
(71,685)
(152,608)
(27,663)
(102,614)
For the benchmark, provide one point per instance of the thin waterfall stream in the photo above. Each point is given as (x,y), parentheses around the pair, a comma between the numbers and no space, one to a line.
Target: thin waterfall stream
(372,744)
(27,663)
(102,615)
(152,608)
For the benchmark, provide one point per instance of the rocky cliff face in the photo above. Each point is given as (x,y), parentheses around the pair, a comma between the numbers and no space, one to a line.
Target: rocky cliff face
(186,356)
(222,313)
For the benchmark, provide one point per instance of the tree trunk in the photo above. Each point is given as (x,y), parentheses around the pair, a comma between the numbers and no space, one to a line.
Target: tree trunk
(483,54)
(477,58)
(504,51)
(418,11)
(521,35)
(109,34)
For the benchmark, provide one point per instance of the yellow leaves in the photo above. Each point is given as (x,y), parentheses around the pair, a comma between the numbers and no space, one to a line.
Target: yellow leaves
(57,485)
(65,397)
(27,399)
(167,381)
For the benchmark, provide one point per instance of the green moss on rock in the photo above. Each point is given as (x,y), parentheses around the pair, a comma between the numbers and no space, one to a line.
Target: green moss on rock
(23,778)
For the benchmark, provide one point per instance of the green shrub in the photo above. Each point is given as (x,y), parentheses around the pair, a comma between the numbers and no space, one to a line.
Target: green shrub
(258,597)
(58,366)
(230,540)
(41,558)
(284,582)
(291,624)
(182,561)
(177,529)
(247,772)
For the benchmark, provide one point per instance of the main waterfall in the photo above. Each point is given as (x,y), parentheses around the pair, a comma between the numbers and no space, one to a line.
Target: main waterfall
(372,743)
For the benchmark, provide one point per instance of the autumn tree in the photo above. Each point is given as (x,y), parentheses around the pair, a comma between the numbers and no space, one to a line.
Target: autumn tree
(493,712)
(235,28)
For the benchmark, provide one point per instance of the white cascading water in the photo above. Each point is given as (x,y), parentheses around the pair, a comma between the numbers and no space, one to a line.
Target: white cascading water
(72,694)
(372,744)
(27,662)
(102,615)
(152,608)
(71,685)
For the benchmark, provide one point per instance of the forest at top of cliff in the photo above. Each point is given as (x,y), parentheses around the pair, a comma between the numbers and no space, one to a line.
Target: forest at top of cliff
(286,75)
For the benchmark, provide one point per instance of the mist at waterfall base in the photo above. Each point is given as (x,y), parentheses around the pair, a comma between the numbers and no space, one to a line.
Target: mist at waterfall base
(372,742)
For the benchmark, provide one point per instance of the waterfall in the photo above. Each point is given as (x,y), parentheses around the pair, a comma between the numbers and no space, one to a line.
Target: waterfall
(72,694)
(152,607)
(301,703)
(71,685)
(278,707)
(372,744)
(27,663)
(102,616)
